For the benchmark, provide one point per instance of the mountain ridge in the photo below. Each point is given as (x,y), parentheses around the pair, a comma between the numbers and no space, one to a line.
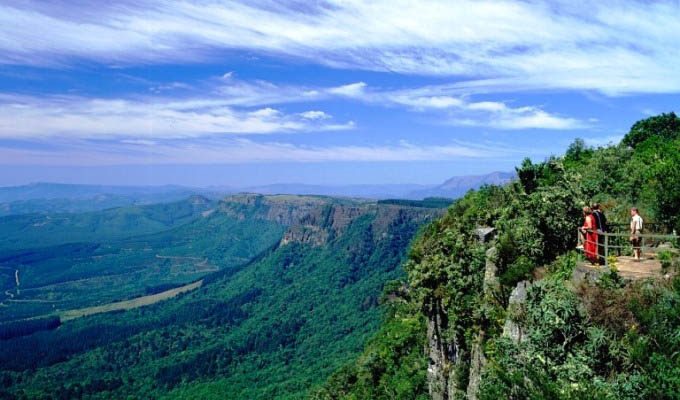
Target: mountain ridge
(46,197)
(457,186)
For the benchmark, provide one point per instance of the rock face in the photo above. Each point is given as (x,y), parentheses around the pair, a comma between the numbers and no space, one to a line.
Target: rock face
(443,357)
(491,282)
(485,234)
(332,220)
(582,273)
(477,357)
(477,364)
(513,324)
(317,219)
(282,209)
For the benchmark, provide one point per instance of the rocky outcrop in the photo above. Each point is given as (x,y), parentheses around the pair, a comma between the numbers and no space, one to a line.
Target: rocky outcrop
(513,327)
(477,364)
(308,234)
(582,273)
(316,219)
(323,223)
(444,357)
(491,282)
(485,233)
(477,358)
(332,220)
(282,209)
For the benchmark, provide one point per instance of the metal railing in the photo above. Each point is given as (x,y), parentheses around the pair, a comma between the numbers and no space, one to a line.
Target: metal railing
(649,226)
(615,242)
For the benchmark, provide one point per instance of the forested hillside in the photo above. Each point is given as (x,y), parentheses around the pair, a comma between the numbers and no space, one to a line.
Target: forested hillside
(57,262)
(509,317)
(272,327)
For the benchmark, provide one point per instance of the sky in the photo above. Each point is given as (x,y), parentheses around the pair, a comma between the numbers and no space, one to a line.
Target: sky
(238,93)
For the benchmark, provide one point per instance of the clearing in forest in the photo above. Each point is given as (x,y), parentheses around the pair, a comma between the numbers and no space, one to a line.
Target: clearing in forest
(128,304)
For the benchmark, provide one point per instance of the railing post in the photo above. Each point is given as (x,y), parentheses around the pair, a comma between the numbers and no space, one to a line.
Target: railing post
(606,249)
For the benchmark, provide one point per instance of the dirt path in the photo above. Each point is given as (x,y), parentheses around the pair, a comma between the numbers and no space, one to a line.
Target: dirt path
(128,304)
(648,267)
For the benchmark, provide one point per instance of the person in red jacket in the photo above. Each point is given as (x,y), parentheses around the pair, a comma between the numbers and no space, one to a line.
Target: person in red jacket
(589,230)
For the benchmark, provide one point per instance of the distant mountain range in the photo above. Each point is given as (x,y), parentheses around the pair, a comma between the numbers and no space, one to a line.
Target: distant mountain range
(454,187)
(57,197)
(459,185)
(44,190)
(367,191)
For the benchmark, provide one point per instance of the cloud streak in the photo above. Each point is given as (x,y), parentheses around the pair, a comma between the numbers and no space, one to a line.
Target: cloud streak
(615,47)
(238,150)
(148,118)
(456,109)
(230,106)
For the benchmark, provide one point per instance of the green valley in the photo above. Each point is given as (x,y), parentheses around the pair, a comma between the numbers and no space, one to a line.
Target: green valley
(292,294)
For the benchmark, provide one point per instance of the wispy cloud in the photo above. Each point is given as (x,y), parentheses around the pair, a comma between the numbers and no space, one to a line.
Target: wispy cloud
(148,118)
(456,109)
(314,115)
(231,106)
(350,90)
(238,92)
(499,115)
(615,47)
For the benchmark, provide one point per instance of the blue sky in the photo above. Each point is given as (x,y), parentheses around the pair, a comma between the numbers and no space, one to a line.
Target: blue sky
(255,92)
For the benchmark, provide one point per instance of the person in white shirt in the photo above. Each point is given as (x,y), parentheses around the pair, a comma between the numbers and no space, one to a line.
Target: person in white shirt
(635,231)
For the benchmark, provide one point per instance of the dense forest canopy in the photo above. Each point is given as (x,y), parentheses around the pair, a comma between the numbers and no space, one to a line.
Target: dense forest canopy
(606,340)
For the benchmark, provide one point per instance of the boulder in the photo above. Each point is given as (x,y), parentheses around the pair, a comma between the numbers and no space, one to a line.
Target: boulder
(485,233)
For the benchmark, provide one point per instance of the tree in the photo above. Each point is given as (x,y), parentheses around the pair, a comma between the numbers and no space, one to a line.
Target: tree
(666,126)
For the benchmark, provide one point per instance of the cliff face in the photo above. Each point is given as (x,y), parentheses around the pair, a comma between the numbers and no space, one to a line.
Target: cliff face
(324,223)
(444,357)
(315,219)
(282,209)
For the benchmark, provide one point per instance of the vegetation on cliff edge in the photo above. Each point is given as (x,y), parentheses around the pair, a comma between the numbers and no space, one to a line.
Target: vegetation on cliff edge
(583,341)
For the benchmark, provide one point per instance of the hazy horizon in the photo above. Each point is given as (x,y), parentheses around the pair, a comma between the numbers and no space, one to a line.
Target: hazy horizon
(231,176)
(118,176)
